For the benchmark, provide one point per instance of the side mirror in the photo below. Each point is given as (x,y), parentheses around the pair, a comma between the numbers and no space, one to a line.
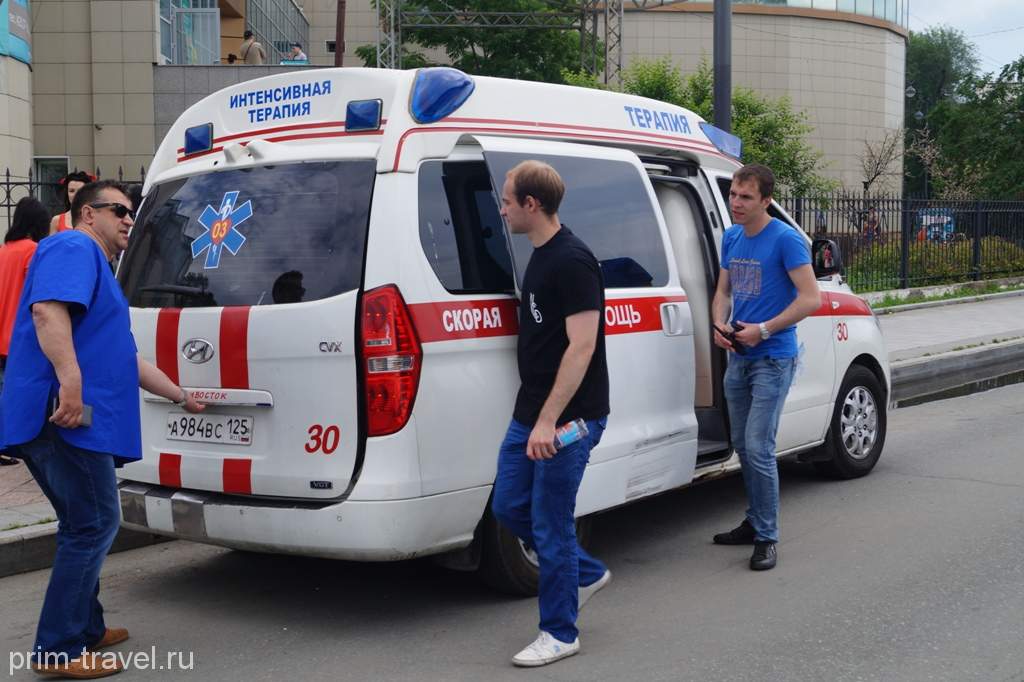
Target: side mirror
(827,259)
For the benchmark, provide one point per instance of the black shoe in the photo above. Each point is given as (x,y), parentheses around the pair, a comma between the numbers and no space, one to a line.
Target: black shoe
(8,461)
(742,534)
(764,556)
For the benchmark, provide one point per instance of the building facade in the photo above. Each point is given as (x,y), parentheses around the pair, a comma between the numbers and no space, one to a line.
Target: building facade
(15,88)
(109,76)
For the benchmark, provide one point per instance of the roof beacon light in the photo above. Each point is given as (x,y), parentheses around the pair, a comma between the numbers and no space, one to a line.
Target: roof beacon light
(727,143)
(437,92)
(198,139)
(363,114)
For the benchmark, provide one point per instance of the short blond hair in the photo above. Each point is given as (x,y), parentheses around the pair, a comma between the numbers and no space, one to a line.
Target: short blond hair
(538,180)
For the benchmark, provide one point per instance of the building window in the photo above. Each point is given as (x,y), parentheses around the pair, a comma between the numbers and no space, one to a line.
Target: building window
(277,24)
(189,31)
(48,172)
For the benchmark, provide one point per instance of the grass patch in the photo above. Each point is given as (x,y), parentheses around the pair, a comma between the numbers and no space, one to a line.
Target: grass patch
(965,291)
(40,522)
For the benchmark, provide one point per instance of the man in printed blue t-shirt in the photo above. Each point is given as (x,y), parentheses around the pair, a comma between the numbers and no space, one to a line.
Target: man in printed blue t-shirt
(767,282)
(70,409)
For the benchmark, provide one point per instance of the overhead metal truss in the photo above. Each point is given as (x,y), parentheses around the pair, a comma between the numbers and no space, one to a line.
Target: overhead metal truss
(589,17)
(596,21)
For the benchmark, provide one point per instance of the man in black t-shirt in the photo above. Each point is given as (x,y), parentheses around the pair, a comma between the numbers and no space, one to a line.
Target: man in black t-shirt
(564,377)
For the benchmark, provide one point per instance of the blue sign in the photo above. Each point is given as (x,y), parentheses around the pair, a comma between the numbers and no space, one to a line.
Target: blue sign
(221,230)
(15,35)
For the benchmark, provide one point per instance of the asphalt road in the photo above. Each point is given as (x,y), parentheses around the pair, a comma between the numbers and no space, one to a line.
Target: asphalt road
(913,573)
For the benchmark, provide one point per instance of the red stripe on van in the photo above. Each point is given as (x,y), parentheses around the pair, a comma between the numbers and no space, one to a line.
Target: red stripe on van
(451,321)
(238,476)
(628,136)
(465,319)
(167,342)
(849,305)
(234,347)
(170,470)
(629,315)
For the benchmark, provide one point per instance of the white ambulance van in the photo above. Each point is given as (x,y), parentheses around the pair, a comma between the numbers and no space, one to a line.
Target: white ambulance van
(320,257)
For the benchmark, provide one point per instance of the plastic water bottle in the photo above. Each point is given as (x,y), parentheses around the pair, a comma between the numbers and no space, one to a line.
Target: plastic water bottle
(570,432)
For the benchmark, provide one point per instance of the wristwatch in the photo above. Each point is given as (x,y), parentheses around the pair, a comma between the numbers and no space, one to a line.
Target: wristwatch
(765,334)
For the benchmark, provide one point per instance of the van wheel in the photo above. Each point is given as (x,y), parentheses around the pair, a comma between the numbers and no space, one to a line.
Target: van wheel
(856,434)
(507,564)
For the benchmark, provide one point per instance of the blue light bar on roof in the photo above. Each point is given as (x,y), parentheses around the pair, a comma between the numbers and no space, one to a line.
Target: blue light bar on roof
(199,139)
(726,143)
(437,92)
(363,114)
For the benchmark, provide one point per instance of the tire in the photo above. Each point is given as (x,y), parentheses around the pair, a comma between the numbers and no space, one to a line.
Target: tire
(506,564)
(860,414)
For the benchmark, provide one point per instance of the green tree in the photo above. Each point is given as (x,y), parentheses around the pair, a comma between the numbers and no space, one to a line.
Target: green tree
(977,136)
(772,132)
(526,54)
(940,60)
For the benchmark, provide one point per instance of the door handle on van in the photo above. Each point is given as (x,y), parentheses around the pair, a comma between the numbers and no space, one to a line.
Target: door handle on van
(232,397)
(674,322)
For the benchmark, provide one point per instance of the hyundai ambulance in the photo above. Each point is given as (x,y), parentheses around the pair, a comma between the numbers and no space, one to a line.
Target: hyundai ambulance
(321,259)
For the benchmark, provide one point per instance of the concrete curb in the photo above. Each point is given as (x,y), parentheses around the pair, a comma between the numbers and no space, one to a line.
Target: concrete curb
(31,548)
(917,377)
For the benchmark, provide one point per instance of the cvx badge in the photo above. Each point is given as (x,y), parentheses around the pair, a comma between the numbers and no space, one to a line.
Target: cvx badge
(221,230)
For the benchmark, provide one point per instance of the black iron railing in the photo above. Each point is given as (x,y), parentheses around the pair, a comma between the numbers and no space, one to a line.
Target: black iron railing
(14,187)
(891,242)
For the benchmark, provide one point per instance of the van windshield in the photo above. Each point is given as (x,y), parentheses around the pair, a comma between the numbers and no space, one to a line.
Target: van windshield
(258,236)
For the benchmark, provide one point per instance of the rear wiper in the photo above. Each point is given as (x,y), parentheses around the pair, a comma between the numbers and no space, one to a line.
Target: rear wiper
(181,289)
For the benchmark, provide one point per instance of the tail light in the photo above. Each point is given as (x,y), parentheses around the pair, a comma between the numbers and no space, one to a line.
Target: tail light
(393,356)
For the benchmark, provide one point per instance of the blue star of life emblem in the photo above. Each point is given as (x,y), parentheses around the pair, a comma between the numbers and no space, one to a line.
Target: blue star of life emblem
(221,229)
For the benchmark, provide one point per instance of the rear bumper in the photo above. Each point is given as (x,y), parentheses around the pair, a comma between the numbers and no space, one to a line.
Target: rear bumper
(388,530)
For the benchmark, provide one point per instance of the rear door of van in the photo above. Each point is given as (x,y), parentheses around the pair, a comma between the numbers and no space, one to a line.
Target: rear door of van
(244,287)
(650,443)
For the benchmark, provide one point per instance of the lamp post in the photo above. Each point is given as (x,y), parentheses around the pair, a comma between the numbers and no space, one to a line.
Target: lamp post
(722,99)
(911,93)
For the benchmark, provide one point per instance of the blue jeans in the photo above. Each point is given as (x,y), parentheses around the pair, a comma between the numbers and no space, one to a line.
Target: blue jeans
(755,391)
(82,488)
(537,502)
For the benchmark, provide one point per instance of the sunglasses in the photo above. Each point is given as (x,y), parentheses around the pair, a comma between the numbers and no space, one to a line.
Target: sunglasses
(120,210)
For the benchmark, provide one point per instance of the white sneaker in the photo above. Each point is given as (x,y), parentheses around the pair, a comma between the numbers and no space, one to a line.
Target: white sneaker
(590,590)
(545,649)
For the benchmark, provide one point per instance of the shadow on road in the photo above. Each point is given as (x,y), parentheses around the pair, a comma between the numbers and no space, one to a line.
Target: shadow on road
(338,595)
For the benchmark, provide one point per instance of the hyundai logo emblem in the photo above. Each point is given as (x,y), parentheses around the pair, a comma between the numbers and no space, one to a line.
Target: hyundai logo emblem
(197,351)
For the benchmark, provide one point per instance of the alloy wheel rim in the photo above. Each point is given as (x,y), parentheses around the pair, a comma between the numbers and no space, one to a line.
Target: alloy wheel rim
(859,423)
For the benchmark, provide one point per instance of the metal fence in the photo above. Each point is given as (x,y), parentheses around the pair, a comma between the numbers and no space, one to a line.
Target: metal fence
(890,242)
(14,187)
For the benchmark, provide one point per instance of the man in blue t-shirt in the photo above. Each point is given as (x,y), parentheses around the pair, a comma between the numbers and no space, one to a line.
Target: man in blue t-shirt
(70,409)
(767,282)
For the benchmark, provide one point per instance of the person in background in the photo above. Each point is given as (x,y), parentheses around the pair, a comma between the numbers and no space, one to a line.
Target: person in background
(31,223)
(251,51)
(296,54)
(72,182)
(232,58)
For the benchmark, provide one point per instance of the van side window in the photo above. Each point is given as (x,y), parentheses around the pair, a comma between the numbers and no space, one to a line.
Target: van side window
(461,231)
(606,205)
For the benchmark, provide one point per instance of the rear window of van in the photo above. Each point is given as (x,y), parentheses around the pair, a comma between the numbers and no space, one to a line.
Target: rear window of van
(255,236)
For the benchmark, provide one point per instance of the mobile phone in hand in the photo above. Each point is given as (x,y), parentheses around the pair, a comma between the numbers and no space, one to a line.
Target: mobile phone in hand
(86,411)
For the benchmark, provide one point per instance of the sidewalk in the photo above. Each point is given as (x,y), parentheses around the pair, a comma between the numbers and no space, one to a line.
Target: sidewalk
(931,348)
